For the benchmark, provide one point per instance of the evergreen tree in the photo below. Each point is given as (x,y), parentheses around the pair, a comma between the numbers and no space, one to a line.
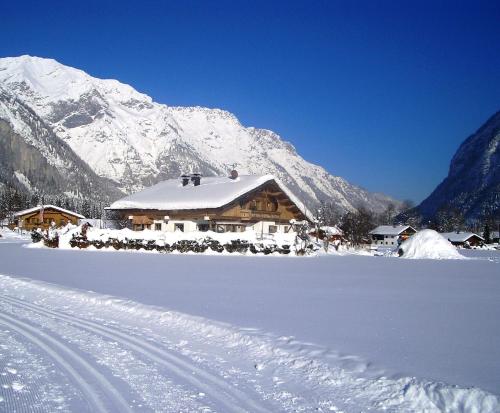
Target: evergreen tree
(487,234)
(86,209)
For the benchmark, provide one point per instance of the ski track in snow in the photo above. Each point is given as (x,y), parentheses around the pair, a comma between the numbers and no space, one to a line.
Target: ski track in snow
(184,370)
(100,353)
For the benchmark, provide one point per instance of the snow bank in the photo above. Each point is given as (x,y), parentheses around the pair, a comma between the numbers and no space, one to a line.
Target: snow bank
(428,244)
(9,236)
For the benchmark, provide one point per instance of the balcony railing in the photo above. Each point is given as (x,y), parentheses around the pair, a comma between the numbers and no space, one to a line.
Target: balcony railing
(252,214)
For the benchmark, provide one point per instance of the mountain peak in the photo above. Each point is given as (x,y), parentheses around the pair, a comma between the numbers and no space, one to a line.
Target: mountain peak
(50,81)
(125,136)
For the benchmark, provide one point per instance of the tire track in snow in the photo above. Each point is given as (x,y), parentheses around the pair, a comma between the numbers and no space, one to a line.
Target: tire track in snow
(71,362)
(234,400)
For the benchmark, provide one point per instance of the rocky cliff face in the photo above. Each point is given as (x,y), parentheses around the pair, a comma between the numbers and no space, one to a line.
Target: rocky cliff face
(134,142)
(34,159)
(473,182)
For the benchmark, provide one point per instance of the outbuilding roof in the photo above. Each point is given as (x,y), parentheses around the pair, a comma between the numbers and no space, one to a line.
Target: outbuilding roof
(39,207)
(213,192)
(390,229)
(460,236)
(332,230)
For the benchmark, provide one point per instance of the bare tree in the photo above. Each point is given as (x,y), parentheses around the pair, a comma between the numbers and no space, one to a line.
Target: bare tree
(357,225)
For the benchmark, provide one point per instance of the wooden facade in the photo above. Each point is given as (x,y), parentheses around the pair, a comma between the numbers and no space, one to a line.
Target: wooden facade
(472,241)
(44,217)
(407,233)
(265,203)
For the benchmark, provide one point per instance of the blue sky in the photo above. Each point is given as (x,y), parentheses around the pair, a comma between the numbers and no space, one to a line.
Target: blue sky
(379,92)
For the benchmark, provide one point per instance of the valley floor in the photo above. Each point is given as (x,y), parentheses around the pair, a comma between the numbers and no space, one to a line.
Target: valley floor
(123,331)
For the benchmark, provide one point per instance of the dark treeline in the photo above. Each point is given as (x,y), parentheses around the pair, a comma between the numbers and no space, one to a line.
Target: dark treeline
(357,224)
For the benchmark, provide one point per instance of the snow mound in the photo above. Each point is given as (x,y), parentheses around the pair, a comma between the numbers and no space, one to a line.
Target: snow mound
(429,244)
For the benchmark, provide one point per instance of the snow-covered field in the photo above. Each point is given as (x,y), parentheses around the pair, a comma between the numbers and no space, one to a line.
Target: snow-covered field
(127,331)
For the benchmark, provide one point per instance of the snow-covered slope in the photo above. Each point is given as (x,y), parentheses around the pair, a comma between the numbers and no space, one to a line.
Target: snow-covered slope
(125,136)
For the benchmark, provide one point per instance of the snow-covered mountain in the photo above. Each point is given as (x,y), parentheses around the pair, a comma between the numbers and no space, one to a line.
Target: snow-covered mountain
(34,159)
(124,136)
(473,182)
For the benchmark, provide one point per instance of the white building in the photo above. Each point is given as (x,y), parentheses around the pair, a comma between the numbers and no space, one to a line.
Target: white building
(391,235)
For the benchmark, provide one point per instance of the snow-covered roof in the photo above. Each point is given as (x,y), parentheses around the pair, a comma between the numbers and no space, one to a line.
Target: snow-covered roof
(332,230)
(213,192)
(37,208)
(390,229)
(459,236)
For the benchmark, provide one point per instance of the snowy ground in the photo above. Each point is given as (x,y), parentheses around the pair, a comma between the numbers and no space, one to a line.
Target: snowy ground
(119,331)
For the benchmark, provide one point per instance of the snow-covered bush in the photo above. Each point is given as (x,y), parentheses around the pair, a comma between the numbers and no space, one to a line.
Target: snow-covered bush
(36,235)
(125,239)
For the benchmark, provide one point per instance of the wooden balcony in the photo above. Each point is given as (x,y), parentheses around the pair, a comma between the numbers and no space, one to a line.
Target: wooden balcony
(250,214)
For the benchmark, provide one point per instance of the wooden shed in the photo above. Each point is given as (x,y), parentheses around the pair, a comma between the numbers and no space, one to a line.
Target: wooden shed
(463,239)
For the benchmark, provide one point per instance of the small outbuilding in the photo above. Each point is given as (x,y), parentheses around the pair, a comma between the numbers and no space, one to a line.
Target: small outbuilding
(463,239)
(391,235)
(43,216)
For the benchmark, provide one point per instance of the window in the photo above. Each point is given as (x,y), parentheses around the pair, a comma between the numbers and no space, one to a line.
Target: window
(179,227)
(273,229)
(272,205)
(203,227)
(253,205)
(158,226)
